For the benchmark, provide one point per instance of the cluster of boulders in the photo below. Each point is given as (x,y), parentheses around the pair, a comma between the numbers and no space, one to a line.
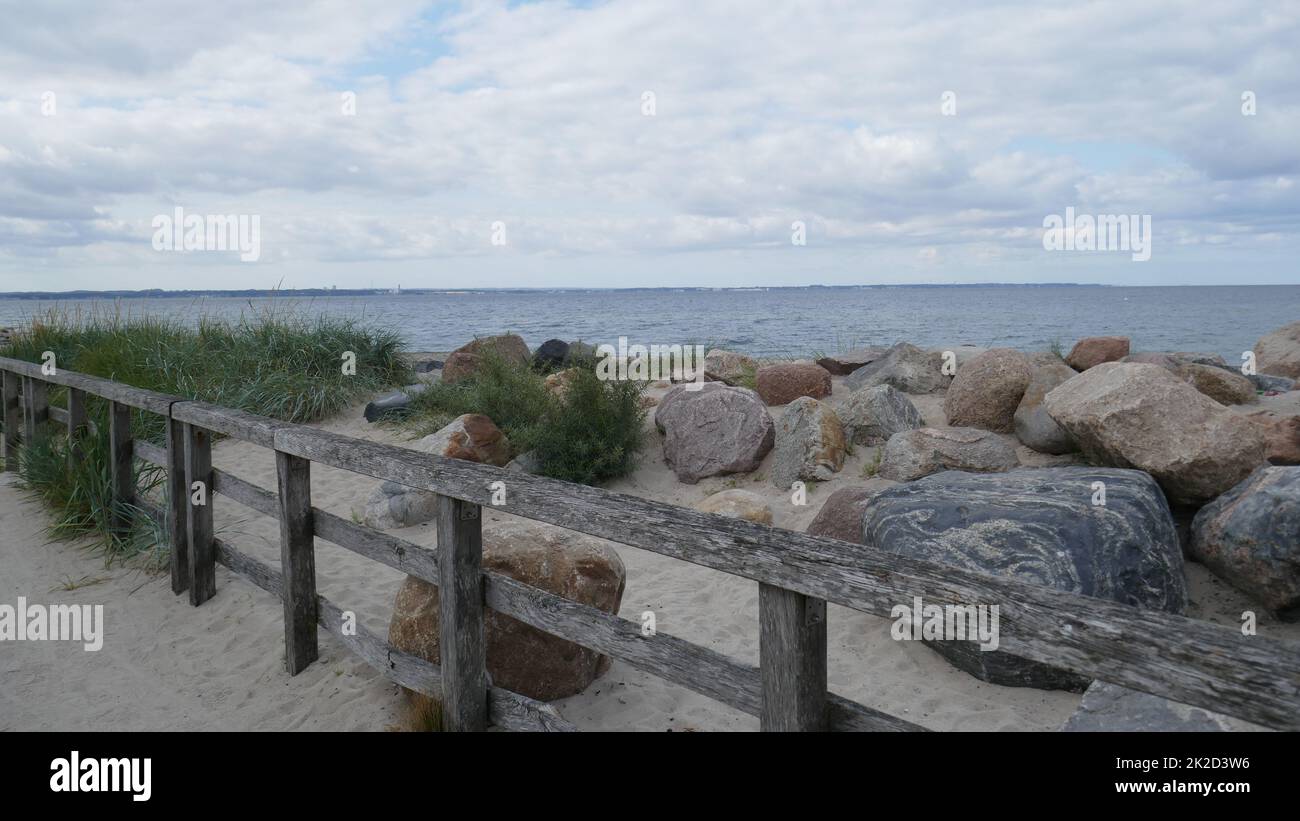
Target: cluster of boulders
(1131,442)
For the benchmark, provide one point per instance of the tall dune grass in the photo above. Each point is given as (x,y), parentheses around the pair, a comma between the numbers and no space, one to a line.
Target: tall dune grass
(275,364)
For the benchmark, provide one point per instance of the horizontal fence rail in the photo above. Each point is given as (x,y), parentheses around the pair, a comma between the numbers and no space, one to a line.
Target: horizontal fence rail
(1165,655)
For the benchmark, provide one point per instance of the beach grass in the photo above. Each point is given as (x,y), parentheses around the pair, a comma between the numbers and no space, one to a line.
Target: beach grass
(274,364)
(591,433)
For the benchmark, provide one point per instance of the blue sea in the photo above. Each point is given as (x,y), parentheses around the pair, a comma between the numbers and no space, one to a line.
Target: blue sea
(781,321)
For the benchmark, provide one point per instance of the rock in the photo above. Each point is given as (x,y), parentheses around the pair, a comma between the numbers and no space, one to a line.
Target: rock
(526,462)
(1278,353)
(904,367)
(782,383)
(1163,360)
(1144,417)
(1267,382)
(843,364)
(916,453)
(580,352)
(428,366)
(551,354)
(1281,436)
(519,657)
(460,366)
(712,430)
(392,404)
(1250,537)
(1037,525)
(1110,708)
(871,415)
(961,354)
(809,443)
(558,383)
(840,516)
(728,367)
(1221,385)
(395,506)
(738,504)
(1033,426)
(510,347)
(987,389)
(471,437)
(1094,350)
(649,401)
(1195,358)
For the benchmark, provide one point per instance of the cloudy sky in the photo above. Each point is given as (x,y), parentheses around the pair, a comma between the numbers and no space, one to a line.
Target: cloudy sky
(632,143)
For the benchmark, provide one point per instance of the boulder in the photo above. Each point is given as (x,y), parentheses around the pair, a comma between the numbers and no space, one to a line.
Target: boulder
(961,354)
(1281,436)
(871,415)
(1141,416)
(1268,383)
(1250,537)
(1278,353)
(510,347)
(728,366)
(459,367)
(1220,384)
(1094,350)
(472,437)
(551,354)
(1164,360)
(916,453)
(580,352)
(840,516)
(987,389)
(782,383)
(526,462)
(1033,426)
(843,364)
(713,429)
(1110,708)
(737,504)
(1037,525)
(558,383)
(392,404)
(809,443)
(520,657)
(904,367)
(395,506)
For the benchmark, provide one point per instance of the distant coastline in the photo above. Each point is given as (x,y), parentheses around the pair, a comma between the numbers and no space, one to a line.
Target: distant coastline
(159,293)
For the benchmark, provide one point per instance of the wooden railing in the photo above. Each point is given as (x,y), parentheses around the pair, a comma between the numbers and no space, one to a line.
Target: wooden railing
(1185,660)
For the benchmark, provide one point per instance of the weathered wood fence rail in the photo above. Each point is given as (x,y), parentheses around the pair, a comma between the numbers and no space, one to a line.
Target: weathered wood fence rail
(1189,661)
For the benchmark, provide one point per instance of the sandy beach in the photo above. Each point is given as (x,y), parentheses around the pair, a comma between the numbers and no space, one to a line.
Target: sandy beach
(167,665)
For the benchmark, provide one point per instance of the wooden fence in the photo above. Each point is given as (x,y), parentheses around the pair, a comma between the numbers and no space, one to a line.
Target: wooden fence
(1189,661)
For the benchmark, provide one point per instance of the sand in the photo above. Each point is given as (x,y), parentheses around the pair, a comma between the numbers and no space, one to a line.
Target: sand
(168,666)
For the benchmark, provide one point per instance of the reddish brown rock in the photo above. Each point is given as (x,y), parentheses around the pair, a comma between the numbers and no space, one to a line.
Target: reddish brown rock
(841,514)
(1281,436)
(1278,353)
(510,347)
(460,366)
(519,657)
(1223,386)
(785,382)
(472,437)
(1094,350)
(987,389)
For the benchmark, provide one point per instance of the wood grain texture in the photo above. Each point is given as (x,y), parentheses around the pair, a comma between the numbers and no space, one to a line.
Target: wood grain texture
(151,453)
(1174,657)
(791,661)
(121,465)
(248,427)
(105,388)
(75,419)
(199,531)
(13,419)
(460,599)
(297,561)
(36,406)
(176,521)
(506,709)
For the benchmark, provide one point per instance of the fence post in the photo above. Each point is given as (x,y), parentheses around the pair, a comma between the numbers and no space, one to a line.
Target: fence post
(461,632)
(178,502)
(198,516)
(76,424)
(297,561)
(121,450)
(792,660)
(13,414)
(36,399)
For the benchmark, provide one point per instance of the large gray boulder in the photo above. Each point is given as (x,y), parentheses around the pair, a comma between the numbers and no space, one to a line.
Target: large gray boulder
(809,443)
(1142,416)
(1278,353)
(987,389)
(1034,427)
(1250,537)
(1037,525)
(871,415)
(915,453)
(1110,708)
(713,429)
(728,366)
(905,367)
